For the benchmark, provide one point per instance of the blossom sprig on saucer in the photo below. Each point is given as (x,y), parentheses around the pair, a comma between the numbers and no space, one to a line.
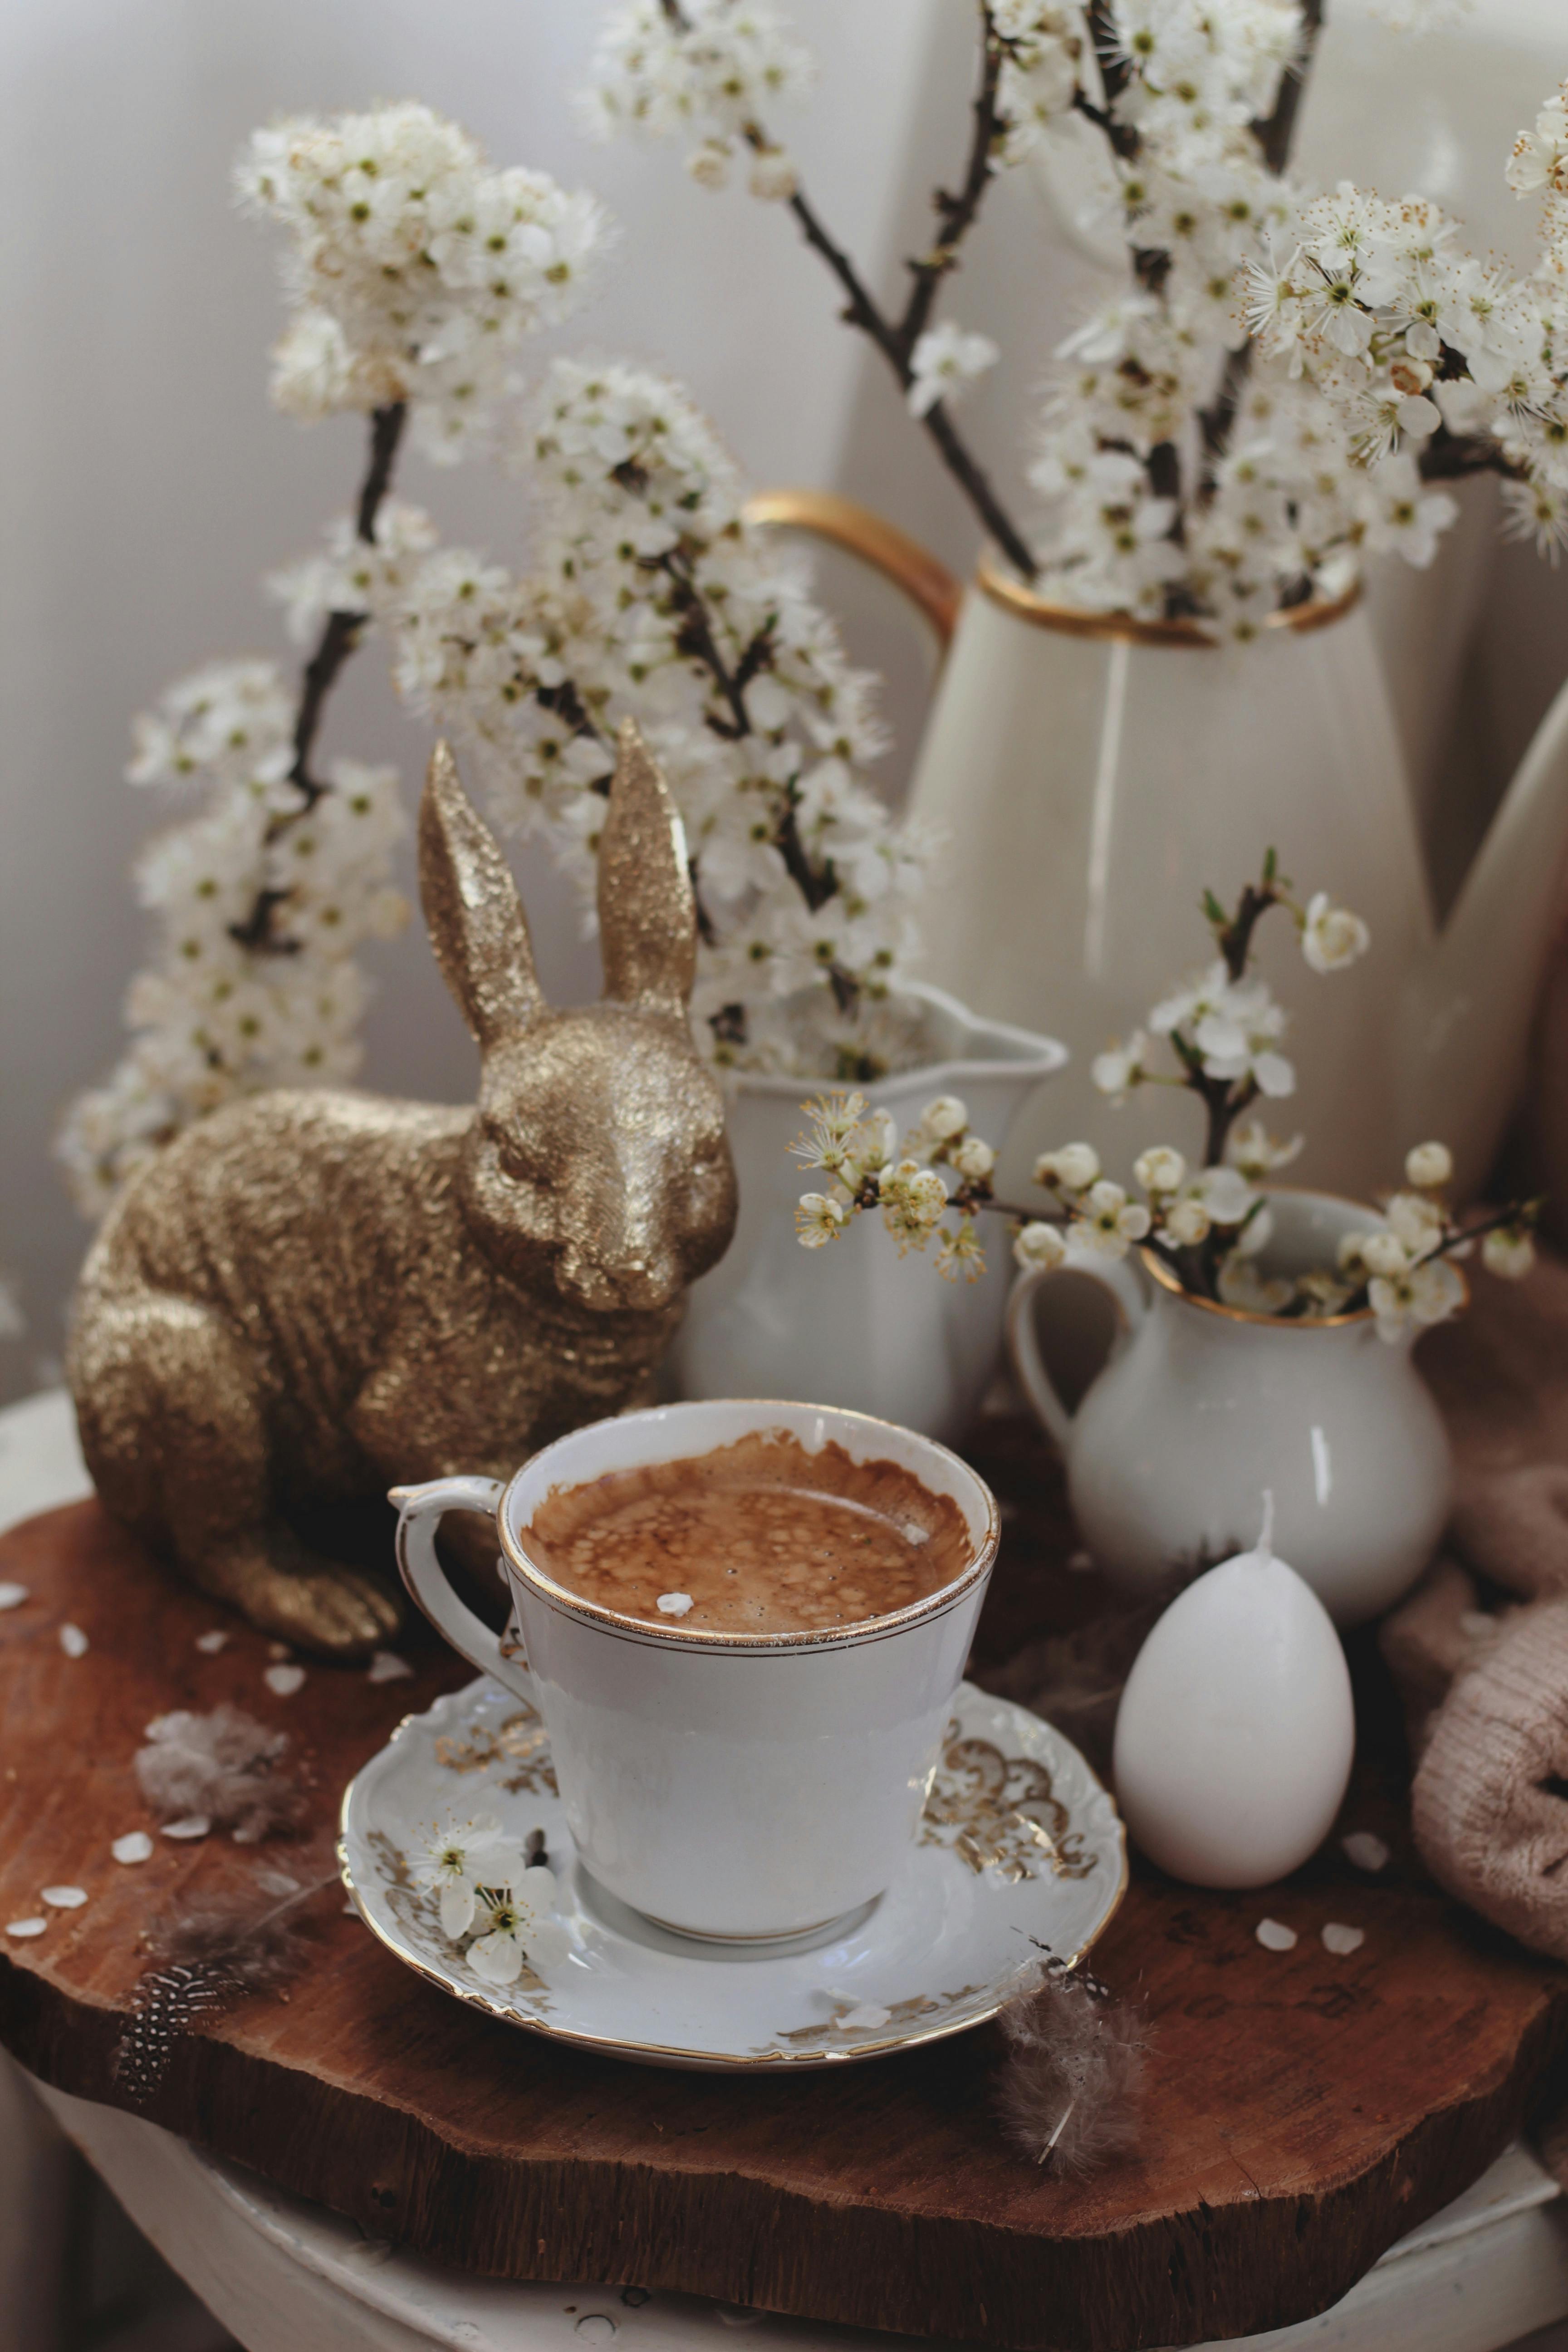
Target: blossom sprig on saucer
(488,1890)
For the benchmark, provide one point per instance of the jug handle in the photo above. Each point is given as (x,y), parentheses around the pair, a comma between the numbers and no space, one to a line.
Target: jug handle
(1115,1275)
(823,514)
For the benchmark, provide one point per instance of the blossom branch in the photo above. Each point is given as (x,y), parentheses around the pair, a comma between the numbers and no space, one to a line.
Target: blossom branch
(338,639)
(341,631)
(896,339)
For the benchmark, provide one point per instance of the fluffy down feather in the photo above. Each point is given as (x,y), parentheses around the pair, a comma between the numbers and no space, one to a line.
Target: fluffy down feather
(1070,2093)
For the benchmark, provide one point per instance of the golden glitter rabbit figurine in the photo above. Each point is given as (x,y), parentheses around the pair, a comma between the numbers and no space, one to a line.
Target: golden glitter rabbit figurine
(310,1295)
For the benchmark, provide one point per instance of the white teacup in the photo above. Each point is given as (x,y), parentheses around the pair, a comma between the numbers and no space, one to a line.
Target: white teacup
(734,1786)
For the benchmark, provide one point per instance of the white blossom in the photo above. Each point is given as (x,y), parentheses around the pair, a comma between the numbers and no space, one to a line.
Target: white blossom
(819,1218)
(1508,1252)
(1422,1295)
(461,1857)
(1242,1286)
(1331,936)
(943,364)
(913,1201)
(1039,1244)
(213,1016)
(1256,1153)
(652,597)
(1233,1026)
(1160,1169)
(415,269)
(516,1925)
(707,73)
(1108,1223)
(1416,1223)
(1120,1068)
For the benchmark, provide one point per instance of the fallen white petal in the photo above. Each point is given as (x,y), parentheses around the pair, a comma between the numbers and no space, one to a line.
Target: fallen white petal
(12,1595)
(284,1680)
(1367,1852)
(74,1642)
(213,1642)
(1340,1939)
(673,1604)
(1275,1936)
(387,1666)
(189,1825)
(25,1927)
(134,1846)
(65,1898)
(865,2013)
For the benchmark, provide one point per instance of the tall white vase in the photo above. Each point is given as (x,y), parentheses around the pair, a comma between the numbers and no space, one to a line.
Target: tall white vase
(1094,775)
(855,1324)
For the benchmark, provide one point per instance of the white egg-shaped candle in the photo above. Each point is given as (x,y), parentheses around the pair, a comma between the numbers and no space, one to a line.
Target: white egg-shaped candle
(1237,1731)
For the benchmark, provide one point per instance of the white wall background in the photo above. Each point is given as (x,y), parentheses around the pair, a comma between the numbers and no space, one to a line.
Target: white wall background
(144,483)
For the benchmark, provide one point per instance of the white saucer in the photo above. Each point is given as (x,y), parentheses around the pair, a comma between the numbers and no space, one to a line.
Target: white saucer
(1021,1853)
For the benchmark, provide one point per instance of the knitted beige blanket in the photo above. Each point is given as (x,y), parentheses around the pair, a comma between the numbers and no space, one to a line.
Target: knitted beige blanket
(1480,1648)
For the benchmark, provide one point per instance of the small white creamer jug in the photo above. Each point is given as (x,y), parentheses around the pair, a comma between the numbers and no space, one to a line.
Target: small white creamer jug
(1201,1407)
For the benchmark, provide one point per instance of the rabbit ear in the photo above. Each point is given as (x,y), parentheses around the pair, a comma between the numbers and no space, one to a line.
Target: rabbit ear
(648,910)
(472,911)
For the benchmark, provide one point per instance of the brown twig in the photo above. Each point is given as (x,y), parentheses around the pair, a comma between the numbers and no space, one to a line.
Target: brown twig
(896,338)
(340,636)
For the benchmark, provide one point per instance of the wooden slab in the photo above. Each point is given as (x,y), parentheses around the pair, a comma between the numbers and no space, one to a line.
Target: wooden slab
(1304,2111)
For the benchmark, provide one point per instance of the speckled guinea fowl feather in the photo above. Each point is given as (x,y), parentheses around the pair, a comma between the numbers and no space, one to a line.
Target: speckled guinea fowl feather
(207,1958)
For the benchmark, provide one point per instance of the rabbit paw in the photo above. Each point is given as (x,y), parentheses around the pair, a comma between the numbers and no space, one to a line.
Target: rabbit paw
(295,1595)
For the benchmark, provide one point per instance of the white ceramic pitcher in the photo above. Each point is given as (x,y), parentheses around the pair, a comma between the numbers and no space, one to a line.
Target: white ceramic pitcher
(1202,1408)
(1094,775)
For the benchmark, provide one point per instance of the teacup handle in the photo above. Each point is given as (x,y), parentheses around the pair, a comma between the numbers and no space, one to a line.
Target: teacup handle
(420,1510)
(1115,1275)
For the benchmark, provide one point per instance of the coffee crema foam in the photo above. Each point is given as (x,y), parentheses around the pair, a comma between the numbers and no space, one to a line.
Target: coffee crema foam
(764,1537)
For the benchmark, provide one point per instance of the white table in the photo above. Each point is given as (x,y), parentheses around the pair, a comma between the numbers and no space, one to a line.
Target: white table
(286,2276)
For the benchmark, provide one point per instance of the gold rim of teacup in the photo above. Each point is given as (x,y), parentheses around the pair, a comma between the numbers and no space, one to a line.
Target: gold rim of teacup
(1076,620)
(1162,1273)
(864,1629)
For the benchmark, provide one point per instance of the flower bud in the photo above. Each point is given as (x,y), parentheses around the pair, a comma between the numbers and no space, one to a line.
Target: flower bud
(1186,1223)
(709,163)
(1039,1244)
(1429,1165)
(1075,1166)
(945,1118)
(773,177)
(974,1160)
(1508,1252)
(1160,1170)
